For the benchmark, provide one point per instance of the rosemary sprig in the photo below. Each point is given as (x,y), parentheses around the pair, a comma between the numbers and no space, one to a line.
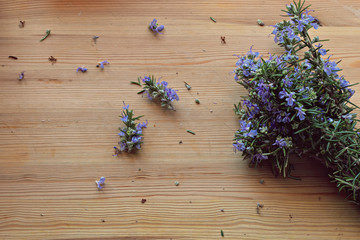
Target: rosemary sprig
(48,31)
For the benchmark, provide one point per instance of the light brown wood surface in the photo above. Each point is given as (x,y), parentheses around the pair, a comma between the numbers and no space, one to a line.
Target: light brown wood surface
(58,127)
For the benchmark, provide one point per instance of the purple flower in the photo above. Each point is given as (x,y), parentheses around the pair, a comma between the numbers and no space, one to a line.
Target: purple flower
(154,26)
(125,118)
(135,139)
(121,134)
(344,83)
(141,125)
(351,92)
(160,28)
(330,67)
(103,63)
(146,79)
(100,183)
(171,94)
(322,52)
(283,94)
(122,146)
(82,69)
(21,75)
(301,114)
(126,107)
(281,143)
(286,119)
(247,65)
(307,65)
(259,157)
(287,81)
(244,126)
(239,146)
(251,134)
(348,116)
(290,100)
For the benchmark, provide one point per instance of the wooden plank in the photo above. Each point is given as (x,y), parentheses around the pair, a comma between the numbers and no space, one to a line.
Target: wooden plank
(58,127)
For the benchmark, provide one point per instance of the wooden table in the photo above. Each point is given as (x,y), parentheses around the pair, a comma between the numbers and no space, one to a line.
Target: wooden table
(58,127)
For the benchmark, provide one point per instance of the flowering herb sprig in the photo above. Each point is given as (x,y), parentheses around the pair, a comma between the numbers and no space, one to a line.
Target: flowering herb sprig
(158,91)
(154,26)
(131,134)
(298,103)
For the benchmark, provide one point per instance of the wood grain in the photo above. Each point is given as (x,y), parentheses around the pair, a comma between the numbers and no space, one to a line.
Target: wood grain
(58,127)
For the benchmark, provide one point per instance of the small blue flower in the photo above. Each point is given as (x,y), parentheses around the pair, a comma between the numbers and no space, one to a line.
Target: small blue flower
(82,69)
(301,114)
(244,126)
(126,107)
(322,51)
(286,119)
(258,157)
(135,139)
(100,183)
(251,134)
(21,75)
(146,79)
(283,94)
(290,100)
(122,146)
(125,118)
(281,143)
(307,65)
(171,94)
(103,63)
(344,83)
(348,116)
(121,134)
(330,67)
(141,125)
(239,146)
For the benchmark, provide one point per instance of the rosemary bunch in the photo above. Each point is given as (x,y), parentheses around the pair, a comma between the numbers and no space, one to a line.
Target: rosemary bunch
(298,103)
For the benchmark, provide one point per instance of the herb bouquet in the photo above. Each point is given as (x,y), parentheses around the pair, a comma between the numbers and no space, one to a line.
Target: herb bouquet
(298,103)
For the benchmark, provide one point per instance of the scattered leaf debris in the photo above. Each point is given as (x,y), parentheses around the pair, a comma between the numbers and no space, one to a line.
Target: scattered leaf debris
(258,207)
(13,57)
(222,210)
(52,59)
(188,87)
(261,23)
(102,220)
(261,181)
(21,24)
(213,19)
(177,183)
(41,214)
(94,38)
(47,33)
(189,131)
(223,39)
(222,233)
(180,142)
(197,101)
(143,200)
